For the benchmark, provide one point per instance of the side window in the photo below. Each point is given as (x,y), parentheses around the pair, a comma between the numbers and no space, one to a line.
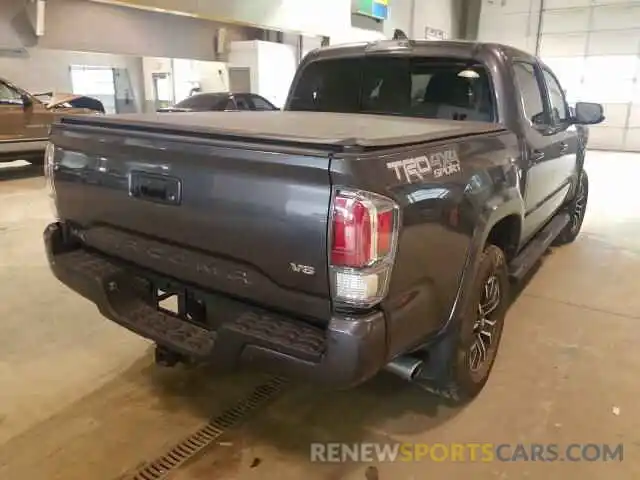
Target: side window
(530,93)
(8,95)
(559,108)
(242,103)
(260,103)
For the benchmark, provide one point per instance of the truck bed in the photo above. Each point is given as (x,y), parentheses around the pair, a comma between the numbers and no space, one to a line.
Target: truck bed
(236,203)
(319,129)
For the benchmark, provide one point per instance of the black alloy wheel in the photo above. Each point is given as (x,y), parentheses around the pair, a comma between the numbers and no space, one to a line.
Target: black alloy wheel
(481,326)
(484,328)
(577,209)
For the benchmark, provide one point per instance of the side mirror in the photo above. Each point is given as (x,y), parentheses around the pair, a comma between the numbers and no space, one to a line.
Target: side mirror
(27,102)
(587,113)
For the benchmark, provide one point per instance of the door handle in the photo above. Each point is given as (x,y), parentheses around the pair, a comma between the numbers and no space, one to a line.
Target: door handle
(537,156)
(563,148)
(155,188)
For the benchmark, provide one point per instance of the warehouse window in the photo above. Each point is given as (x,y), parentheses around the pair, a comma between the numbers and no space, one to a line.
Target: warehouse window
(569,71)
(95,82)
(414,87)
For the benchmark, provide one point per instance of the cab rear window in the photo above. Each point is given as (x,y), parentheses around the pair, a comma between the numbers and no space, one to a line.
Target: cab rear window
(413,87)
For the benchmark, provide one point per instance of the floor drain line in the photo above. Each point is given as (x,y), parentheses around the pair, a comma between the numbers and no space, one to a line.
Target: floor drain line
(164,465)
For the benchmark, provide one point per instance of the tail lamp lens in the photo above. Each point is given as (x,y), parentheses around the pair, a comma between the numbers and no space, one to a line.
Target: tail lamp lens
(364,233)
(361,233)
(351,233)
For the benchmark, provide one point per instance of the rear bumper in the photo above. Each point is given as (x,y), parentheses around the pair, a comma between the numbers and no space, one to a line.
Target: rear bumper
(348,352)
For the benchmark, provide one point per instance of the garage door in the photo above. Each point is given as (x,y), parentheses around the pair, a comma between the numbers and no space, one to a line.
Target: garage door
(594,47)
(95,82)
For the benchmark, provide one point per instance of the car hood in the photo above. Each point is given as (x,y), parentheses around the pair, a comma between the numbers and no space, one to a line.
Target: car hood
(60,98)
(60,111)
(58,101)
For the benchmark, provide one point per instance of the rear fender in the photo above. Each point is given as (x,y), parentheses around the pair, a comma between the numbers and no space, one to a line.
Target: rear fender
(442,346)
(492,215)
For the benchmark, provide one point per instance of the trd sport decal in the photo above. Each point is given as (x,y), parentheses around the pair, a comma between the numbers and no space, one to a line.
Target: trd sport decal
(436,165)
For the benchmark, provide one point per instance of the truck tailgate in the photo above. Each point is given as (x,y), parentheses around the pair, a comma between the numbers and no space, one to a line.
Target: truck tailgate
(243,221)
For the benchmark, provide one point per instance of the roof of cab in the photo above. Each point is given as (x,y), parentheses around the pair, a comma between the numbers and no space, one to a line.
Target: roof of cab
(454,48)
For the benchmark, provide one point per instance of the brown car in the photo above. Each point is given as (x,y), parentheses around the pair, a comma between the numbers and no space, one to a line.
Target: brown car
(25,122)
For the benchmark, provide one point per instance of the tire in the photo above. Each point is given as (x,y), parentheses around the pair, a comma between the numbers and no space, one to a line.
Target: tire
(479,335)
(576,209)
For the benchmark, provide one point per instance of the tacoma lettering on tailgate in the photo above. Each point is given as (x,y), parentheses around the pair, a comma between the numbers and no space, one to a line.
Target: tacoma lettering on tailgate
(149,253)
(435,165)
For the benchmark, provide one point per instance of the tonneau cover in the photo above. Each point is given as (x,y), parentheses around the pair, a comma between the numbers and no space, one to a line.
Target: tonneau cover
(312,128)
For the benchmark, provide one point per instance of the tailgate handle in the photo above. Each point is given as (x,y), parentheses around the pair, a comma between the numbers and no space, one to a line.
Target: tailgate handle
(155,188)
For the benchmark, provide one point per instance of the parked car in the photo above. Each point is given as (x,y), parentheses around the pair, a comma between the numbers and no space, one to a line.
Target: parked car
(221,101)
(355,231)
(25,123)
(70,100)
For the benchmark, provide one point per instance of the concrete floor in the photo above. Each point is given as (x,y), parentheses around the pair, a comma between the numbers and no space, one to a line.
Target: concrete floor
(80,398)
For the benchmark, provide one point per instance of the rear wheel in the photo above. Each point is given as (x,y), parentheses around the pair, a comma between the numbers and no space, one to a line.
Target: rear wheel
(481,326)
(576,209)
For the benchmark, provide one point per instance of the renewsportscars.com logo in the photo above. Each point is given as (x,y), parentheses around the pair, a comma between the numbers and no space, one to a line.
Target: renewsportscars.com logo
(465,452)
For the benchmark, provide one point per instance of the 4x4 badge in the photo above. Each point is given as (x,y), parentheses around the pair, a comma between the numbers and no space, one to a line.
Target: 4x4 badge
(435,165)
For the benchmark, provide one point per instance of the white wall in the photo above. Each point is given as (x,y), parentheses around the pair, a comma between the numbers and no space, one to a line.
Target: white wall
(302,16)
(95,27)
(245,55)
(330,18)
(514,23)
(185,74)
(272,65)
(151,65)
(354,34)
(438,14)
(309,44)
(277,63)
(210,76)
(412,17)
(400,16)
(213,76)
(9,38)
(45,70)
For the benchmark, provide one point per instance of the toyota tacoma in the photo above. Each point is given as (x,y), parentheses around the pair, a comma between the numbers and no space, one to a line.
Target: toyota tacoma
(376,223)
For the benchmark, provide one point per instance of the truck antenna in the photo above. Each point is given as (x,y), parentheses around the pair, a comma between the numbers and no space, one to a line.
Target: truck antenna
(399,35)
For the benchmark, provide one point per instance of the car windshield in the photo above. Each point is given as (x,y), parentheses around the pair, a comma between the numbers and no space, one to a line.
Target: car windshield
(204,101)
(414,87)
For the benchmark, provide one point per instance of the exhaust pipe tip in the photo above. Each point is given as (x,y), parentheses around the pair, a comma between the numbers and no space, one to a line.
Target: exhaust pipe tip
(405,367)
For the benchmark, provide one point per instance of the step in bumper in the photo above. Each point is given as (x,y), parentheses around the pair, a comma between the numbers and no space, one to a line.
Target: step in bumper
(348,352)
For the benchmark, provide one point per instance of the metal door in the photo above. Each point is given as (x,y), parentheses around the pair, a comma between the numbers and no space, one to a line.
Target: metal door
(239,80)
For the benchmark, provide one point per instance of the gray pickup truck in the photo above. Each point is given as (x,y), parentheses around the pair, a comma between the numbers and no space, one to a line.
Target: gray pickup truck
(376,223)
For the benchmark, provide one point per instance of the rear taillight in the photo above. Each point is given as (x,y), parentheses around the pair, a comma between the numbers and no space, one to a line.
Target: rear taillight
(364,234)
